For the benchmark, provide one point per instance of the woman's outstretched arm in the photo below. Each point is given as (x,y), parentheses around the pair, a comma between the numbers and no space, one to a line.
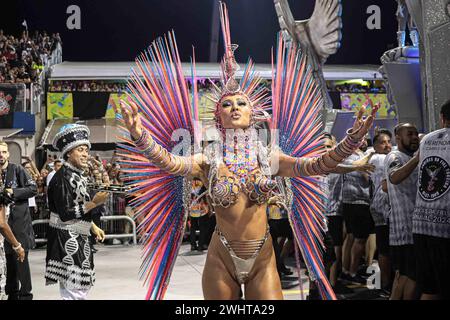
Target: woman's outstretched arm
(327,162)
(157,154)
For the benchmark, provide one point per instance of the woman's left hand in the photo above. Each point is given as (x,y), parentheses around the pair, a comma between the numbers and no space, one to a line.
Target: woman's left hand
(362,125)
(20,254)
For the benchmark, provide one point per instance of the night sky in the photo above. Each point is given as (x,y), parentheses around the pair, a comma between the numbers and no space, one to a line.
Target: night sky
(117,30)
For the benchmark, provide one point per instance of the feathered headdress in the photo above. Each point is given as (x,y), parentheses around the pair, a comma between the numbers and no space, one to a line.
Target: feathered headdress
(250,85)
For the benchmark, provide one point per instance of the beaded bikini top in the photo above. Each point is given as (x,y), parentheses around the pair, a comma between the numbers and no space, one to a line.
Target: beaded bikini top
(249,175)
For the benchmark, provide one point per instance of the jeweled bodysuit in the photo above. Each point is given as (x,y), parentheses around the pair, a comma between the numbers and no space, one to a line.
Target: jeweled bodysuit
(241,167)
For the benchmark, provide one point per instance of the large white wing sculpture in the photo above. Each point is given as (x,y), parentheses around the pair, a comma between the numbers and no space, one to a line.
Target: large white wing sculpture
(319,36)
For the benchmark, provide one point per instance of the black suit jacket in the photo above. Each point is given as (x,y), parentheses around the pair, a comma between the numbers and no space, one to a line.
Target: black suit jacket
(20,221)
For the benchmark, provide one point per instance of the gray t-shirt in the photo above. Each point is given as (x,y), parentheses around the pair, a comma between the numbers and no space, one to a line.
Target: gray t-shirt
(355,185)
(332,186)
(402,198)
(379,205)
(432,209)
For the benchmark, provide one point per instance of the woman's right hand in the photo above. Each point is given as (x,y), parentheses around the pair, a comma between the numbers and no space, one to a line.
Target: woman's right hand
(132,118)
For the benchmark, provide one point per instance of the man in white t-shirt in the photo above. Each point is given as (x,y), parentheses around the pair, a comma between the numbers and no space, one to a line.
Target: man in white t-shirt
(401,177)
(431,219)
(380,204)
(57,164)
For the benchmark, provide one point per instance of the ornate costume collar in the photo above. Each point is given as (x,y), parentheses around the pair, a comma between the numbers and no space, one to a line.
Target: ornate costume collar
(73,168)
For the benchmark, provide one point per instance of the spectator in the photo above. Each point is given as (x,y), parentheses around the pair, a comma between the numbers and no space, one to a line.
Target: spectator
(198,215)
(401,177)
(21,187)
(97,176)
(333,211)
(57,164)
(105,179)
(114,175)
(358,221)
(28,166)
(279,228)
(48,165)
(431,218)
(40,185)
(44,173)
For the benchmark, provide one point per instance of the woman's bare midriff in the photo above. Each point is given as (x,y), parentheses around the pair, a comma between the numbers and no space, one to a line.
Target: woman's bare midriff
(243,220)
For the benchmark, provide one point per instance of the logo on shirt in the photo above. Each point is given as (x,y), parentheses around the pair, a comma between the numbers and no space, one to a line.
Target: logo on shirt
(434,178)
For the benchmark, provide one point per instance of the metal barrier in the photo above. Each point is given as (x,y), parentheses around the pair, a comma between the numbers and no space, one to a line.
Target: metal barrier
(104,218)
(124,235)
(38,222)
(114,221)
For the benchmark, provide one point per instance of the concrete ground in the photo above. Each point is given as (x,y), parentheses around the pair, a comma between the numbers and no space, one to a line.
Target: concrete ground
(117,269)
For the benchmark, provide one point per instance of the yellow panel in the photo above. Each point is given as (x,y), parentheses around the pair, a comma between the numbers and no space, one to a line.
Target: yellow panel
(59,105)
(114,98)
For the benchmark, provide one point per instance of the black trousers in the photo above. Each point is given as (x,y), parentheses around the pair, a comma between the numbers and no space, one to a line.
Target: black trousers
(201,224)
(279,228)
(211,228)
(18,278)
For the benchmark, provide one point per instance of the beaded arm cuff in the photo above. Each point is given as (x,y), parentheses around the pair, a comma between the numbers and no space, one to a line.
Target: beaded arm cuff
(160,157)
(329,160)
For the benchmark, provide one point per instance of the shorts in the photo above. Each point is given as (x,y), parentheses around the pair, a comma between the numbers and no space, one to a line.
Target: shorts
(358,220)
(382,233)
(404,260)
(280,228)
(336,230)
(329,256)
(433,265)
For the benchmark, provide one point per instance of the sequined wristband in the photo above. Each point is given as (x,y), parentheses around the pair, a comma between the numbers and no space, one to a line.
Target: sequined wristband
(299,167)
(142,141)
(328,161)
(161,158)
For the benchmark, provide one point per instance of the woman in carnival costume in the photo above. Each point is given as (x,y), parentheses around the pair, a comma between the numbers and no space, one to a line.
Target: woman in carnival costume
(242,174)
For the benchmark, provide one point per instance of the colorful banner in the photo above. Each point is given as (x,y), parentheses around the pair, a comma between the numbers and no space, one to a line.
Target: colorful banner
(205,105)
(59,105)
(354,101)
(114,98)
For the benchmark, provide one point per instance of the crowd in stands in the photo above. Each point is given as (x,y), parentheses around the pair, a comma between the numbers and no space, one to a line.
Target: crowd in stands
(23,58)
(87,86)
(358,88)
(115,86)
(202,85)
